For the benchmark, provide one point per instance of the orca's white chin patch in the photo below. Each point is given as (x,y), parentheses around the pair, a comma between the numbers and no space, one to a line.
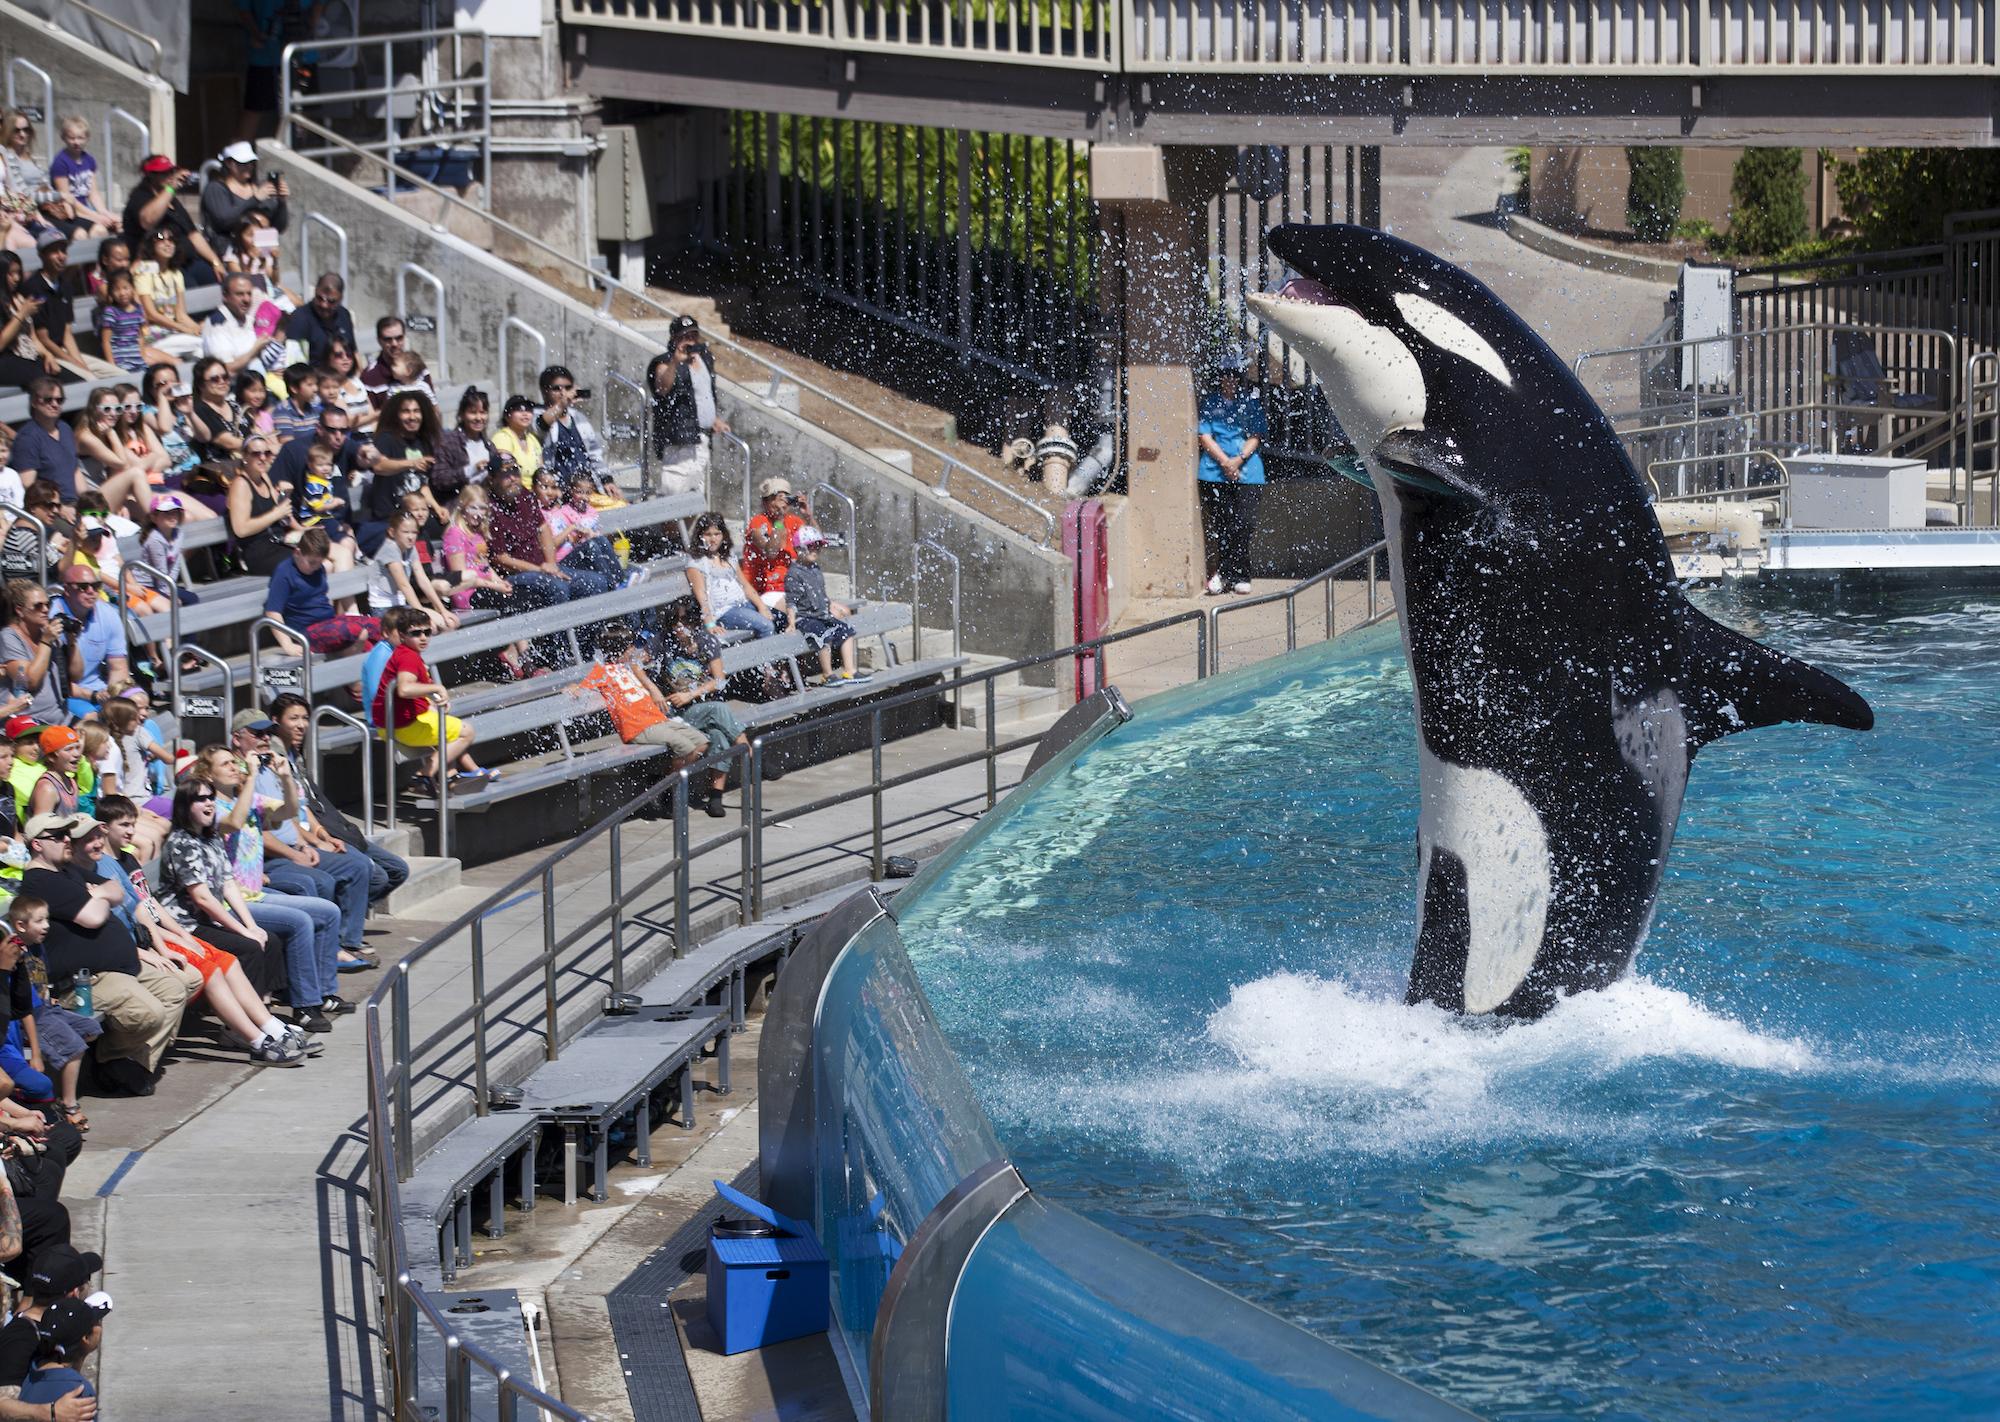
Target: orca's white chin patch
(1372,381)
(1488,824)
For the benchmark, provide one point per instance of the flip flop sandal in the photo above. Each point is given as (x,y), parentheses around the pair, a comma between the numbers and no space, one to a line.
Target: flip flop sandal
(74,1115)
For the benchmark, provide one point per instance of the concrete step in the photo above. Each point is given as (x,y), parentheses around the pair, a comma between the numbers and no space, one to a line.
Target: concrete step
(703,308)
(401,840)
(430,877)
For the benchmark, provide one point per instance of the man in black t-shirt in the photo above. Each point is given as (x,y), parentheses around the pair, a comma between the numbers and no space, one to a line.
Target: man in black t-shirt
(138,1003)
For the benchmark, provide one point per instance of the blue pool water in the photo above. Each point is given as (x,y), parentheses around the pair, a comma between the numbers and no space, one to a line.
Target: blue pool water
(1758,1178)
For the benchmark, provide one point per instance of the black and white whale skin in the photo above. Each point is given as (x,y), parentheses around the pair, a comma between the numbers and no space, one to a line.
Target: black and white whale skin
(1562,682)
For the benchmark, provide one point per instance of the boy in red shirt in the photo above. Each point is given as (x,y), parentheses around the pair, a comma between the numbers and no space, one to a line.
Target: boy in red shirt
(767,544)
(422,701)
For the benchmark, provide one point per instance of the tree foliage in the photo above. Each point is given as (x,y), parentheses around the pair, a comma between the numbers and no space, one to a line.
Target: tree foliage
(1655,189)
(1767,201)
(1899,197)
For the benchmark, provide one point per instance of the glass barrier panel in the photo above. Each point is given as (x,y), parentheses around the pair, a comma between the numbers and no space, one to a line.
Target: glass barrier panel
(1059,1320)
(898,1124)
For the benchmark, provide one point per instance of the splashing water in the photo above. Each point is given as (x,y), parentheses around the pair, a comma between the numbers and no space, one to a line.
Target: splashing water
(1758,1176)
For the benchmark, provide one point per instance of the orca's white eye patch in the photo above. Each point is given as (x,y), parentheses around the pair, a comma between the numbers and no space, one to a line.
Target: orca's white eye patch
(1448,333)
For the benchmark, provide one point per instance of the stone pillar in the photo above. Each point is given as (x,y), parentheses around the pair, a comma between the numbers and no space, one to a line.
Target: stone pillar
(1153,201)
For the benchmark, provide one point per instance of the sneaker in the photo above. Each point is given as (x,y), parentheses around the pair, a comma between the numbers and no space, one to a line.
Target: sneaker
(1216,587)
(277,1053)
(856,678)
(715,810)
(309,1046)
(1240,588)
(334,1006)
(311,1020)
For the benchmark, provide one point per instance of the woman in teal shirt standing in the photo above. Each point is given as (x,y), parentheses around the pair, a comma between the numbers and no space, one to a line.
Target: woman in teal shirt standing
(1231,476)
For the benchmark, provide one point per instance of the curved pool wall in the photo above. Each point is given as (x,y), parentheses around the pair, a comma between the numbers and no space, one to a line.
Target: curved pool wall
(955,1291)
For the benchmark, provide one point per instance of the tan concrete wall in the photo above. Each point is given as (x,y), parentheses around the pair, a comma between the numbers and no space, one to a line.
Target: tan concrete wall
(91,83)
(1580,189)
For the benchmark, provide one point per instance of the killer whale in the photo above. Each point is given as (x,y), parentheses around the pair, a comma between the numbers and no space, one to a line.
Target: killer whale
(1562,681)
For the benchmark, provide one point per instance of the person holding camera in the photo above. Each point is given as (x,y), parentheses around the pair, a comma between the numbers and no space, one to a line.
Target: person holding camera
(155,203)
(28,653)
(93,637)
(768,543)
(562,426)
(682,381)
(233,194)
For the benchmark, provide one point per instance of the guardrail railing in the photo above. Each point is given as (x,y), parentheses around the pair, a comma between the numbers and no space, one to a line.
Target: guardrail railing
(1023,515)
(451,1069)
(1417,37)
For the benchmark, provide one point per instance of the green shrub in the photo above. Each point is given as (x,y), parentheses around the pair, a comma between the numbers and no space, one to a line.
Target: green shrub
(1521,163)
(1899,197)
(1767,201)
(1656,188)
(1700,229)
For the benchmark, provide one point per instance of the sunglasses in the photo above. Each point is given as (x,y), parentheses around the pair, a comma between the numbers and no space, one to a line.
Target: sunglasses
(420,632)
(260,454)
(132,409)
(42,606)
(561,389)
(200,799)
(219,378)
(48,399)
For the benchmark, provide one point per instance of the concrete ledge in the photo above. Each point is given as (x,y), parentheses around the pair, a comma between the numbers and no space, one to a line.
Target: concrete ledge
(1551,243)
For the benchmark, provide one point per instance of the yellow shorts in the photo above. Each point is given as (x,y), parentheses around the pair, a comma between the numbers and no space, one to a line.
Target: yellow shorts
(422,733)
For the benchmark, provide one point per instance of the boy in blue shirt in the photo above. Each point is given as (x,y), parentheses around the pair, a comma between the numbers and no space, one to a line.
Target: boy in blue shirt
(1231,476)
(71,1331)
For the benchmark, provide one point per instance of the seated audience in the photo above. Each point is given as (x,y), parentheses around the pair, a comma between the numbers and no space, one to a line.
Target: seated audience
(815,615)
(98,654)
(582,552)
(298,598)
(464,450)
(30,662)
(398,579)
(162,288)
(516,437)
(155,204)
(767,542)
(727,596)
(569,441)
(70,1330)
(47,1060)
(387,872)
(411,704)
(261,521)
(523,548)
(138,1003)
(235,195)
(323,320)
(406,441)
(74,176)
(391,340)
(21,358)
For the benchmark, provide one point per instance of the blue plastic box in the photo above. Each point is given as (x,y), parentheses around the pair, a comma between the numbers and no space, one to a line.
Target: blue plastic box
(768,1289)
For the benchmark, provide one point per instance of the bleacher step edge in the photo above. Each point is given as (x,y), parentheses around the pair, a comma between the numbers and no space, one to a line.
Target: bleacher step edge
(1011,705)
(429,878)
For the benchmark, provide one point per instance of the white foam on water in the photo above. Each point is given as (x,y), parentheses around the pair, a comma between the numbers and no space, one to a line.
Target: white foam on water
(1322,1069)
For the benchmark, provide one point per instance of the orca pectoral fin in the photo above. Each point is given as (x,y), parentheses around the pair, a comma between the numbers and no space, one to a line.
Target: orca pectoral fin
(1425,459)
(1736,684)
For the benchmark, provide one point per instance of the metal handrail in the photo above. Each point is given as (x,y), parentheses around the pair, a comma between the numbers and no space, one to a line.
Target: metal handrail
(403,274)
(430,85)
(202,654)
(113,188)
(312,219)
(749,493)
(515,323)
(853,538)
(612,431)
(1290,596)
(392,1073)
(48,124)
(272,625)
(918,551)
(593,277)
(334,713)
(117,24)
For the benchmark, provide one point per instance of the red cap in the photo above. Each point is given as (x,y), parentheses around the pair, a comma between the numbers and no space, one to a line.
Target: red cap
(157,163)
(19,726)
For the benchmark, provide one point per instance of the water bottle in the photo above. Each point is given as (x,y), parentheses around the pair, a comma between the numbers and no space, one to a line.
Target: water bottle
(84,1005)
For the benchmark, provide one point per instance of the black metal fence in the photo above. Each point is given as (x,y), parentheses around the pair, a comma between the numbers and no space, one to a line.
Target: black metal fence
(983,243)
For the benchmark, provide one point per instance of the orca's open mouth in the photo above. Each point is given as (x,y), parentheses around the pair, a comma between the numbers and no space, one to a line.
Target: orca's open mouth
(1307,292)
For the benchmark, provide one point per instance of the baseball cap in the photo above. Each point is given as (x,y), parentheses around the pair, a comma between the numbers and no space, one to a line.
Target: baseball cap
(168,503)
(19,726)
(42,826)
(773,485)
(59,1269)
(54,738)
(64,1325)
(252,720)
(680,326)
(240,152)
(808,537)
(54,237)
(158,163)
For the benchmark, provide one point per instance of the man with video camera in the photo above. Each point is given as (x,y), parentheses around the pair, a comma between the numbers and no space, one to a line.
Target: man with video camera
(682,381)
(92,639)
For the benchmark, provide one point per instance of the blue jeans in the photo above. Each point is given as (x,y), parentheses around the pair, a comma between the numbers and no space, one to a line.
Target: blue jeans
(386,872)
(340,878)
(536,589)
(308,930)
(584,583)
(595,555)
(745,618)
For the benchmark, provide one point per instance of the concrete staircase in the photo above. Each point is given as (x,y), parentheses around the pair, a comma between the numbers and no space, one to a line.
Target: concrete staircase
(430,876)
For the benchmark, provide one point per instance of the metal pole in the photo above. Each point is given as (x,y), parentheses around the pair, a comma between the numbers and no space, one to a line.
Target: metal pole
(754,882)
(1291,624)
(1201,662)
(681,884)
(743,897)
(443,785)
(399,1030)
(992,742)
(457,1381)
(480,1104)
(875,792)
(617,908)
(549,1048)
